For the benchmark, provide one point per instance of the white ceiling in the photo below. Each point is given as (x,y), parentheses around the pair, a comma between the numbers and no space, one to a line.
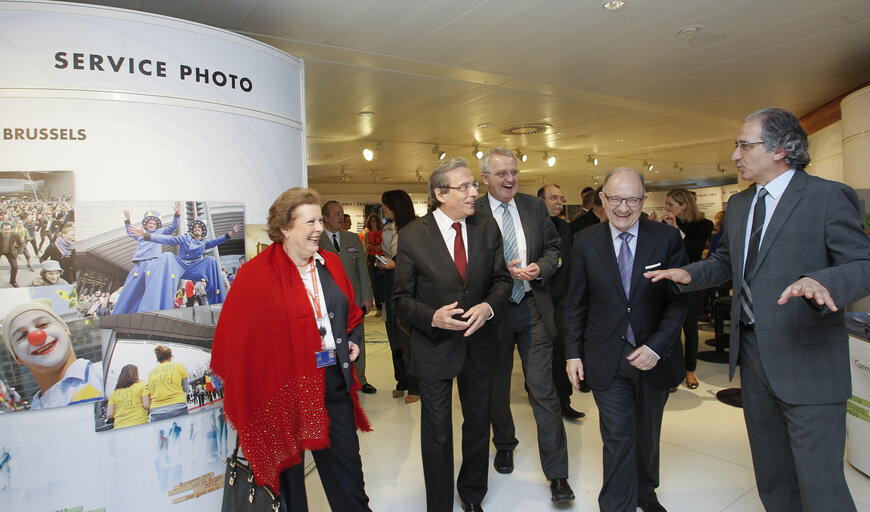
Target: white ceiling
(621,85)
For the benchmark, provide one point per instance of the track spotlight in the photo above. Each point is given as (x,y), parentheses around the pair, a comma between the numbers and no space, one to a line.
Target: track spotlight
(592,160)
(477,152)
(678,168)
(368,154)
(441,154)
(720,169)
(522,156)
(551,160)
(646,165)
(419,175)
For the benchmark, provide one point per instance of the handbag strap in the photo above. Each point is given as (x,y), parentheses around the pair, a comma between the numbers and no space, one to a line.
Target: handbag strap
(276,500)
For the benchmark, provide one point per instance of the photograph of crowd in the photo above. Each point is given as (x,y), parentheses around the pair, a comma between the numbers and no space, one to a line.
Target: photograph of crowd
(154,256)
(157,367)
(51,357)
(37,229)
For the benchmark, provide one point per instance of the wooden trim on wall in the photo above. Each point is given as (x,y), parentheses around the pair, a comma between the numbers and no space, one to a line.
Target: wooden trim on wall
(827,114)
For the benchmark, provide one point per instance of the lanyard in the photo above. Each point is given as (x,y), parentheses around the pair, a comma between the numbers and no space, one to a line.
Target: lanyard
(315,295)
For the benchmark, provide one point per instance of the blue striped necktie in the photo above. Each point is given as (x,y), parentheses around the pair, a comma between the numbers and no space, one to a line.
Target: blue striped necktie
(625,260)
(511,252)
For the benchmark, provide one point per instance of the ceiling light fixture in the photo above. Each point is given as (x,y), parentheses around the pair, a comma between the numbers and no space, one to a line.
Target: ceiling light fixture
(437,151)
(368,154)
(720,169)
(678,168)
(551,160)
(522,156)
(483,125)
(646,165)
(477,152)
(366,113)
(419,175)
(592,160)
(613,5)
(544,179)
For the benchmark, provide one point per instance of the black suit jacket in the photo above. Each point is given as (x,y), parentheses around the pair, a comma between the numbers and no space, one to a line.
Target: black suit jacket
(426,279)
(597,313)
(558,284)
(542,247)
(584,221)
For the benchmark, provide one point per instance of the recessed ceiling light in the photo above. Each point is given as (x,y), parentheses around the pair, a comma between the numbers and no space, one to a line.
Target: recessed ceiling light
(688,30)
(366,113)
(483,125)
(612,5)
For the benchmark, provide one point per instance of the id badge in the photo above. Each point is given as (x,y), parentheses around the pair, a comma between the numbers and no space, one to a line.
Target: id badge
(324,358)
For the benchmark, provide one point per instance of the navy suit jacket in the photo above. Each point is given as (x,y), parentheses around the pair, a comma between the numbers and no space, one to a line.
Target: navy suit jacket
(597,312)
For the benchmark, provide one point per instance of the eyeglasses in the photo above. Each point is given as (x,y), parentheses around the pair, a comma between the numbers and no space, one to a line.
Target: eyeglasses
(504,174)
(464,187)
(743,145)
(615,201)
(558,198)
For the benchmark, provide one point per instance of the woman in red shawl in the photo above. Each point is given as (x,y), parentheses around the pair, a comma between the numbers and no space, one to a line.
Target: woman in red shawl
(287,334)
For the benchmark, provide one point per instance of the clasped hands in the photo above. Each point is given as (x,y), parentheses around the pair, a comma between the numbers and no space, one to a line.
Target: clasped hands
(805,287)
(527,273)
(474,318)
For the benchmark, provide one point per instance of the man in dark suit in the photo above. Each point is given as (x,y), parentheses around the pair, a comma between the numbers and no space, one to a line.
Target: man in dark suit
(558,288)
(531,247)
(9,242)
(628,332)
(450,282)
(779,244)
(587,198)
(593,216)
(353,259)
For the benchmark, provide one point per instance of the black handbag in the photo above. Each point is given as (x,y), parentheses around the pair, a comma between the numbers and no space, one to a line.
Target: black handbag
(241,493)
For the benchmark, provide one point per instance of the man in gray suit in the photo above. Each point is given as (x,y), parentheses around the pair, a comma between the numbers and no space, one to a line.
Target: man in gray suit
(353,258)
(531,249)
(779,244)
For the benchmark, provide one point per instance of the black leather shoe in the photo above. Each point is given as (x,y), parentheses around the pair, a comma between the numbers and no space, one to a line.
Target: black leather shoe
(504,461)
(560,490)
(652,505)
(368,389)
(472,507)
(571,414)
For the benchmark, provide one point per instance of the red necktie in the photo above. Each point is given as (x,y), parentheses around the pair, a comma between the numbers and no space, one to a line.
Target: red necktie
(459,251)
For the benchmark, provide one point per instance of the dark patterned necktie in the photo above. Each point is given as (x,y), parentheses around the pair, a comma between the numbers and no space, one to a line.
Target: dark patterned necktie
(459,251)
(625,260)
(746,314)
(335,243)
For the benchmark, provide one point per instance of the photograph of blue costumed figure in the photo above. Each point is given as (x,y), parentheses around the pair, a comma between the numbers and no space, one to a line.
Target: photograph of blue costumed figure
(177,250)
(190,264)
(146,254)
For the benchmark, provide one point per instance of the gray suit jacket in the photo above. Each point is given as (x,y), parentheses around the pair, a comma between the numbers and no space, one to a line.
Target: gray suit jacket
(353,258)
(542,247)
(816,231)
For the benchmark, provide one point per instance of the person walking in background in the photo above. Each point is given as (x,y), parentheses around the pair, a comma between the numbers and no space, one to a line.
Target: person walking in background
(681,212)
(284,346)
(130,401)
(63,250)
(399,211)
(372,239)
(169,386)
(789,236)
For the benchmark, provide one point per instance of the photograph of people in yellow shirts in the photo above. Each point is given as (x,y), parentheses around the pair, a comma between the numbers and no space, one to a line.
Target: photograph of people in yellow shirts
(168,383)
(130,401)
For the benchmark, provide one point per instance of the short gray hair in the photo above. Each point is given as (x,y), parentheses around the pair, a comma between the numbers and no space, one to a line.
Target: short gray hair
(438,178)
(615,170)
(781,129)
(500,151)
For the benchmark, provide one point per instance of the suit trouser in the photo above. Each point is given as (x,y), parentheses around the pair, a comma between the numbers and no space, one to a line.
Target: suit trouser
(13,265)
(630,413)
(523,325)
(797,450)
(360,363)
(436,436)
(339,465)
(560,376)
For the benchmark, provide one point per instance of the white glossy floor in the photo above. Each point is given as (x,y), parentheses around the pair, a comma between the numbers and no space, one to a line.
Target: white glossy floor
(705,465)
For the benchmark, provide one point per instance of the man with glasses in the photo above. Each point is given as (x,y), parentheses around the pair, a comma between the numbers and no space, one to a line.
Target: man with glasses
(778,245)
(558,287)
(450,283)
(531,251)
(627,331)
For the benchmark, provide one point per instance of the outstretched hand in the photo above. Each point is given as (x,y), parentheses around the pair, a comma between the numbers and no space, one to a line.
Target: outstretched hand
(676,275)
(809,289)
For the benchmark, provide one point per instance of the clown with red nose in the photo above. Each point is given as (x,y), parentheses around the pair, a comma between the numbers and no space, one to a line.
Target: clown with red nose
(39,339)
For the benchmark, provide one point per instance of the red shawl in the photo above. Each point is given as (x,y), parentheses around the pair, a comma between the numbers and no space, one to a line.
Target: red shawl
(263,349)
